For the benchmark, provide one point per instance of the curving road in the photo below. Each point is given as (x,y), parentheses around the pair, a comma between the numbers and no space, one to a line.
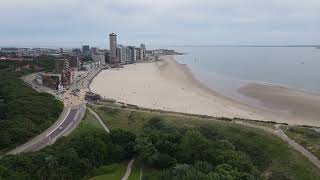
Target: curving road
(69,119)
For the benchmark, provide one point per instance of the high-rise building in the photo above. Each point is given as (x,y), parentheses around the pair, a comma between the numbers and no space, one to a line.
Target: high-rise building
(133,53)
(138,54)
(86,49)
(113,47)
(123,54)
(143,51)
(119,54)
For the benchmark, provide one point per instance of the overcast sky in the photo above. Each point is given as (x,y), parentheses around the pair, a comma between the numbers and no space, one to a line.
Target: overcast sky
(66,23)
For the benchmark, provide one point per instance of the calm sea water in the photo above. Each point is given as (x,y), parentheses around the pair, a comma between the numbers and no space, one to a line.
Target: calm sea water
(225,69)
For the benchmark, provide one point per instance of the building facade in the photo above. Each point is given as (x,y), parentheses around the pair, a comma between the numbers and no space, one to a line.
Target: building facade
(99,57)
(113,47)
(86,49)
(61,65)
(133,53)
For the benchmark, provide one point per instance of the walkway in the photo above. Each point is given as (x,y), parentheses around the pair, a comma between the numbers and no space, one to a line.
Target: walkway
(278,132)
(99,119)
(128,171)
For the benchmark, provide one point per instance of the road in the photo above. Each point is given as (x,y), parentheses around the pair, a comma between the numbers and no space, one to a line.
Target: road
(74,110)
(278,132)
(70,117)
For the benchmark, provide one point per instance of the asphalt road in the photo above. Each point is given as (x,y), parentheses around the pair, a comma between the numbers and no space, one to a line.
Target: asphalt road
(69,118)
(66,122)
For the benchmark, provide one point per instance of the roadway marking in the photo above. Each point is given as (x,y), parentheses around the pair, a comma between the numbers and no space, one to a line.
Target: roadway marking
(60,123)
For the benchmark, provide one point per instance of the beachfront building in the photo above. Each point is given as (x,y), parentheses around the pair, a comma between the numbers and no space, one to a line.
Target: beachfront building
(122,54)
(119,54)
(138,52)
(133,53)
(128,54)
(113,47)
(143,51)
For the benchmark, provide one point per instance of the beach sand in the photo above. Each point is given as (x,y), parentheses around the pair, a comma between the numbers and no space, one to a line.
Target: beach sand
(168,85)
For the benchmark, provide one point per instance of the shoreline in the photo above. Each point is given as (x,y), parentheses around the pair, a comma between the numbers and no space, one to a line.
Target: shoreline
(171,86)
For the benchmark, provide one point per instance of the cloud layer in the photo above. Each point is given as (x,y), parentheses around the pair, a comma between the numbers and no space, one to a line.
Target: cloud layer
(166,22)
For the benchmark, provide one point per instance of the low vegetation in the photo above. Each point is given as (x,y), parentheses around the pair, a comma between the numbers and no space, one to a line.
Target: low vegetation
(136,171)
(111,172)
(87,153)
(270,157)
(166,146)
(305,136)
(24,113)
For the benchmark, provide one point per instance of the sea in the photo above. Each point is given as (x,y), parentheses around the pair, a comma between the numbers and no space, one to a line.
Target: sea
(226,69)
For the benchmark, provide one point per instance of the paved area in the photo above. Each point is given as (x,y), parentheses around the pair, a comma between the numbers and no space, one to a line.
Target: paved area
(69,117)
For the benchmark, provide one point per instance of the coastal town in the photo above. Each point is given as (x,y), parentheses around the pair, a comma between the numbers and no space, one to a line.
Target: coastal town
(72,63)
(69,78)
(159,90)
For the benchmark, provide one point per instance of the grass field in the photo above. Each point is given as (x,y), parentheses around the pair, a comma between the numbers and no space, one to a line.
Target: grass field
(306,137)
(110,172)
(88,124)
(136,171)
(282,158)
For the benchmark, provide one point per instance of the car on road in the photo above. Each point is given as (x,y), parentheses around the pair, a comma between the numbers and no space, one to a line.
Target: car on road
(60,127)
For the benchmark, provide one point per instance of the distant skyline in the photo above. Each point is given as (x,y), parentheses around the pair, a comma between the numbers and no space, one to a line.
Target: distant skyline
(68,23)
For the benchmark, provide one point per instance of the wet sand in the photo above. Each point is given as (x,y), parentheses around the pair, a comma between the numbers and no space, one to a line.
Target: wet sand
(296,104)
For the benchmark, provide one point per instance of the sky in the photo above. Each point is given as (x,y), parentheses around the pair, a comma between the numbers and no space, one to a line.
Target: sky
(70,23)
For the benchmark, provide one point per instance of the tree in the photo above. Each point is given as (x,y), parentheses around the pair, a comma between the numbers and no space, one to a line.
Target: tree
(146,150)
(192,147)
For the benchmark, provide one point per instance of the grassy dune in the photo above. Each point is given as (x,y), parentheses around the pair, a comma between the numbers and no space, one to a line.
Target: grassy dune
(276,156)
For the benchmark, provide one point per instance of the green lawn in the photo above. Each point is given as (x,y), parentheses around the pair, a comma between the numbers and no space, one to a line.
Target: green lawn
(260,123)
(135,171)
(283,159)
(88,124)
(306,137)
(110,172)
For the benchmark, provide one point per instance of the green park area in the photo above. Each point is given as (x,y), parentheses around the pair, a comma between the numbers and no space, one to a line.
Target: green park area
(165,146)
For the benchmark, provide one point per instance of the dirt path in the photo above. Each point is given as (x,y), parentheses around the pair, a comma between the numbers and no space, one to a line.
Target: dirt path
(278,132)
(128,171)
(99,119)
(141,174)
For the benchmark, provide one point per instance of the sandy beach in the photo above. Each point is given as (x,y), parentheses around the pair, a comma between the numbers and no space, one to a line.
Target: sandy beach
(170,86)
